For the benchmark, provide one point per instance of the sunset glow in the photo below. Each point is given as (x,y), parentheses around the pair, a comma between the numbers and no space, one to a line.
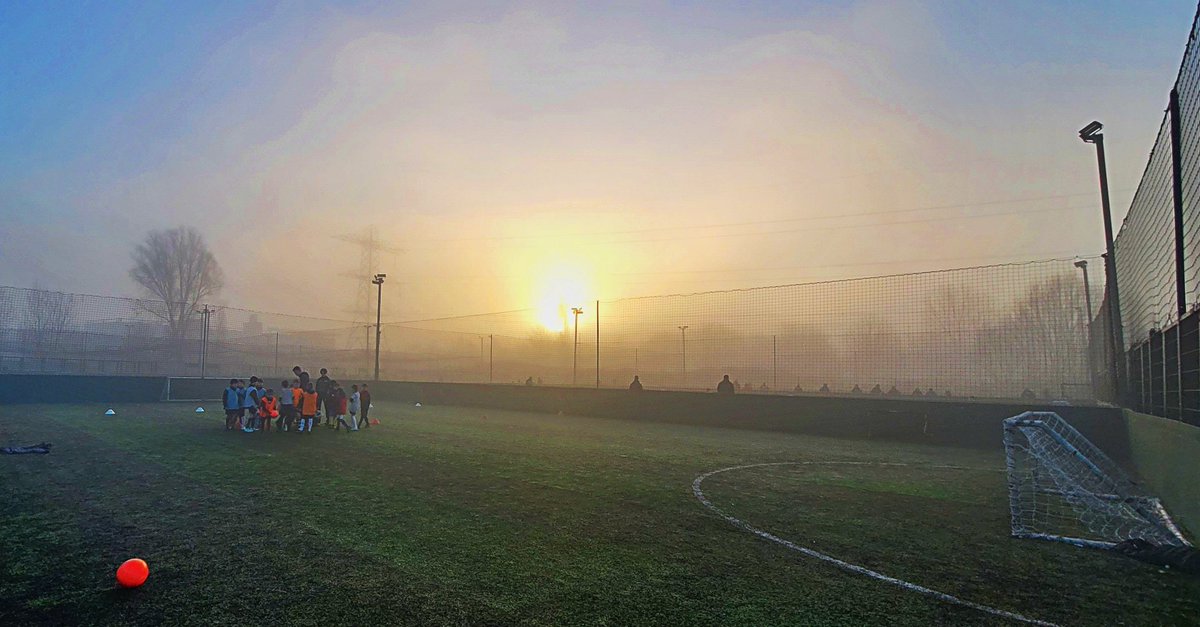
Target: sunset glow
(562,288)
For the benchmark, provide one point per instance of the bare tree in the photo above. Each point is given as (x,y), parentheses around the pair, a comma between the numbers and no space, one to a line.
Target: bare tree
(176,267)
(47,316)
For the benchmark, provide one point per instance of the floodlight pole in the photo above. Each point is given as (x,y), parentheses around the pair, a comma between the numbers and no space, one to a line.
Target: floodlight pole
(205,314)
(378,280)
(1091,134)
(1087,296)
(491,369)
(774,364)
(575,358)
(597,344)
(683,339)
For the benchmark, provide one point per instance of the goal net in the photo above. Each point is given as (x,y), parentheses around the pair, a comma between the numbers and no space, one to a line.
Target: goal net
(1061,487)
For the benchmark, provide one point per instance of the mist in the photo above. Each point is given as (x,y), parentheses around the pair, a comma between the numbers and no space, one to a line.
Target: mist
(513,156)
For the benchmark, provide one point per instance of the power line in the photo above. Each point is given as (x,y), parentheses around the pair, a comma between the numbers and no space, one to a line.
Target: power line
(894,262)
(769,222)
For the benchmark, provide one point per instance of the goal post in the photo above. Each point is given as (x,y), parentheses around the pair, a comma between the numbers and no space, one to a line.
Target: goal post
(1062,487)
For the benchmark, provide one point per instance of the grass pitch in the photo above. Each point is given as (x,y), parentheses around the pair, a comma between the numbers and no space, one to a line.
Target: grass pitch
(445,515)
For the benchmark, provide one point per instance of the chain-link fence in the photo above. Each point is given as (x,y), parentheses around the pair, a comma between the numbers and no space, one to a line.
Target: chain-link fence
(996,331)
(53,332)
(1158,259)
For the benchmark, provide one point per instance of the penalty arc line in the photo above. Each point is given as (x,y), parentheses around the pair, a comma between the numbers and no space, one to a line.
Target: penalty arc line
(842,564)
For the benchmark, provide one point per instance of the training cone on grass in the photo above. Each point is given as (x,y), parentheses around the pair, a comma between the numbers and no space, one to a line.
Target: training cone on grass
(110,412)
(133,573)
(418,405)
(199,410)
(374,421)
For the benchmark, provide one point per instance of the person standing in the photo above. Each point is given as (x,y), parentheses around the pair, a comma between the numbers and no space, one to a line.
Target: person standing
(364,400)
(636,386)
(308,409)
(287,402)
(341,403)
(302,376)
(229,399)
(355,401)
(250,406)
(324,389)
(268,409)
(725,387)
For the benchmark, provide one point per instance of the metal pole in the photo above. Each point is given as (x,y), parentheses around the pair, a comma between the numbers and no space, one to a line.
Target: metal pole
(378,321)
(1177,187)
(635,361)
(491,347)
(1110,269)
(1087,296)
(774,364)
(204,316)
(597,344)
(575,354)
(683,333)
(277,351)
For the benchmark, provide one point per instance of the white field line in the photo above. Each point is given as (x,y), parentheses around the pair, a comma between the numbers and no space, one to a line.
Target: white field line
(842,564)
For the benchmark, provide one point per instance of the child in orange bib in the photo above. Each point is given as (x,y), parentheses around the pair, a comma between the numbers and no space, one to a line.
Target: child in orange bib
(268,409)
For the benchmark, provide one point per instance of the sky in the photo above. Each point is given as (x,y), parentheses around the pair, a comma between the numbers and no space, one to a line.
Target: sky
(515,155)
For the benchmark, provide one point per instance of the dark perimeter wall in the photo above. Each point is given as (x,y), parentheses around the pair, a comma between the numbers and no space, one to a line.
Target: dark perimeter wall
(33,388)
(1166,454)
(941,421)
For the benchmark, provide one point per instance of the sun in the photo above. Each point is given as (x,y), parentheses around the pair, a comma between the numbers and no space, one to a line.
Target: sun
(562,288)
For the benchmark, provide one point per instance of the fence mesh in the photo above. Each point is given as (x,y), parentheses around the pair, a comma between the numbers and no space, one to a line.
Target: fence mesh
(1161,346)
(996,331)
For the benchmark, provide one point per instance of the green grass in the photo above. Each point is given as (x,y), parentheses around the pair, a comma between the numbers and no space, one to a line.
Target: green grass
(444,516)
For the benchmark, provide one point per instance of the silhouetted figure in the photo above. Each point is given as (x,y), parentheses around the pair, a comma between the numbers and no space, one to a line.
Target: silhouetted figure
(636,386)
(947,393)
(798,389)
(893,391)
(726,387)
(877,389)
(764,388)
(918,392)
(1028,394)
(931,392)
(824,388)
(856,390)
(529,381)
(747,387)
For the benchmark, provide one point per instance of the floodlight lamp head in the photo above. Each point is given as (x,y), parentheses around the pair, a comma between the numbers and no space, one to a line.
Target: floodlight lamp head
(1082,263)
(1091,132)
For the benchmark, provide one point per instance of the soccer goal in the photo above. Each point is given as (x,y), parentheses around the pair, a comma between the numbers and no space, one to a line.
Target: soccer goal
(1061,487)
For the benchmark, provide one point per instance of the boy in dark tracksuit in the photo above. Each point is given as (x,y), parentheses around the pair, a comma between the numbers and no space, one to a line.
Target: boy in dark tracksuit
(324,392)
(231,403)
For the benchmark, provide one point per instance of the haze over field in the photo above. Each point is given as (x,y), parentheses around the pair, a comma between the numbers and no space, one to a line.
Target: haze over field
(534,153)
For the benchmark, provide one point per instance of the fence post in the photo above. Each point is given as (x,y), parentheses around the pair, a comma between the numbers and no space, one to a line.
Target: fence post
(491,367)
(1177,196)
(774,365)
(597,344)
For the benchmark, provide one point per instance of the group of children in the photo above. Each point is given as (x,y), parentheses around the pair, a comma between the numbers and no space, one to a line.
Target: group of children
(251,408)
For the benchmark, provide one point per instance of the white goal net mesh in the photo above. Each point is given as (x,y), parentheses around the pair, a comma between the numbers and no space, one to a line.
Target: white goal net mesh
(1061,487)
